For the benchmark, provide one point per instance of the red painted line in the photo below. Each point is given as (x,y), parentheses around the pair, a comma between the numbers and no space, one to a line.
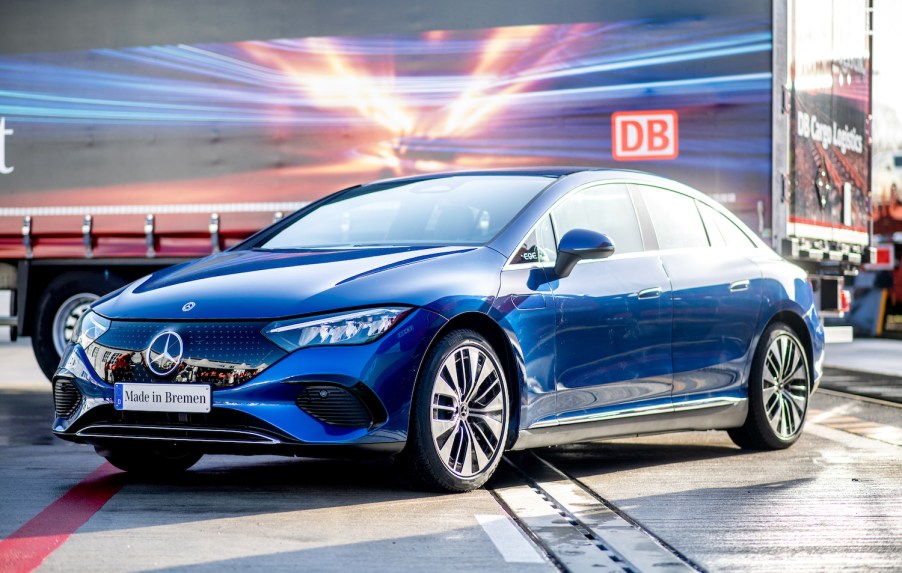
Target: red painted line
(27,547)
(827,225)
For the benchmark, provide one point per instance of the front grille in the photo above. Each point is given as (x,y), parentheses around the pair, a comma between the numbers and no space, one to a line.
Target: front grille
(66,397)
(222,354)
(334,405)
(175,433)
(220,424)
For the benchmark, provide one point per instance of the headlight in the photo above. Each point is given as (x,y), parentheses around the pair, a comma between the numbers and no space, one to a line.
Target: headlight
(89,328)
(357,327)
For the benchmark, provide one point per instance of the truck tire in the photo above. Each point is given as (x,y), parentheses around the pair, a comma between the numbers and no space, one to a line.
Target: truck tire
(59,307)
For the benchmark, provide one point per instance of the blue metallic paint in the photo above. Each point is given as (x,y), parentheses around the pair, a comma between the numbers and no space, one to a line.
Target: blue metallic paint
(613,349)
(584,344)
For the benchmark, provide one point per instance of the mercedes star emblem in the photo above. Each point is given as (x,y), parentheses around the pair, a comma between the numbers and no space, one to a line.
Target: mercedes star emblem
(188,306)
(164,353)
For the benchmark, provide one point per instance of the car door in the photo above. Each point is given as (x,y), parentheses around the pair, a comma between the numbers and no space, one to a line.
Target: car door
(716,295)
(525,307)
(613,315)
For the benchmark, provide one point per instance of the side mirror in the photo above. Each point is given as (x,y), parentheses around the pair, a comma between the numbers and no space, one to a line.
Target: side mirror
(580,244)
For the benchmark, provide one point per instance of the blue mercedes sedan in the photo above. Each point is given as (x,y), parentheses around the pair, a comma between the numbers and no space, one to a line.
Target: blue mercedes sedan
(445,319)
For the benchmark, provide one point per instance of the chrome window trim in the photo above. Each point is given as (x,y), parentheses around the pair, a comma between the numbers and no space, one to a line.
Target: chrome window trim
(691,193)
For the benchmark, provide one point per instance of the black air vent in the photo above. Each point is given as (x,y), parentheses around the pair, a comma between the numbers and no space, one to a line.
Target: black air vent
(66,397)
(334,405)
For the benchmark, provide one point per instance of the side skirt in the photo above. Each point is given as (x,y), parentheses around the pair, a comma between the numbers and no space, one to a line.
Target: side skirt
(716,415)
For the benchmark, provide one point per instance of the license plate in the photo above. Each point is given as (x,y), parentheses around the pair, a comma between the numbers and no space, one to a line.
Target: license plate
(162,397)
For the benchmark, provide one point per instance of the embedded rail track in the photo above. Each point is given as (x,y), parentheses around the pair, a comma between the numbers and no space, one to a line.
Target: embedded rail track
(577,529)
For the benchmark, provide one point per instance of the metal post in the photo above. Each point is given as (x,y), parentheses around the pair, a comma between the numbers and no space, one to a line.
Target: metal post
(148,235)
(214,232)
(86,227)
(26,237)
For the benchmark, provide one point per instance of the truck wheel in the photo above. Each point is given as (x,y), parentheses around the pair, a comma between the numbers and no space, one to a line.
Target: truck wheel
(59,307)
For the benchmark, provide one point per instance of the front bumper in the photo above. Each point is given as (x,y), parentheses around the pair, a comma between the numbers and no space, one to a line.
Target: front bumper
(275,412)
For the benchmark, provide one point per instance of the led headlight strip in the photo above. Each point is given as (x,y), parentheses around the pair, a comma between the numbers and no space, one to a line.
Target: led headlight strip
(356,327)
(89,328)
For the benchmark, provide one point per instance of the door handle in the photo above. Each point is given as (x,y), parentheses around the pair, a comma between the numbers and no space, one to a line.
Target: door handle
(653,292)
(739,286)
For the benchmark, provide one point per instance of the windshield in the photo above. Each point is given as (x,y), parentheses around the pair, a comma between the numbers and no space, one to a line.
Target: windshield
(462,210)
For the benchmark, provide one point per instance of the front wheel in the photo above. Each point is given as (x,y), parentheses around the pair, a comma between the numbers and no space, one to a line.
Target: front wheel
(152,461)
(460,416)
(779,388)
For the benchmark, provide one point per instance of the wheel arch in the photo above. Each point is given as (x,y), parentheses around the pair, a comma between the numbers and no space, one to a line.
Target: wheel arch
(800,329)
(496,336)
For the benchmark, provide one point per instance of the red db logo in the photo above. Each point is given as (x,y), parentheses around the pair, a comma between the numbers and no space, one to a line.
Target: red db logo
(638,135)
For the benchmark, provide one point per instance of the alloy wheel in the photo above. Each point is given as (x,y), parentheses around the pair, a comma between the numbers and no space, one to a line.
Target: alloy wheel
(785,386)
(468,411)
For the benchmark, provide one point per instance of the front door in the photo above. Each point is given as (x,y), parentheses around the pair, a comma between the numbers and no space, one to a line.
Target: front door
(613,338)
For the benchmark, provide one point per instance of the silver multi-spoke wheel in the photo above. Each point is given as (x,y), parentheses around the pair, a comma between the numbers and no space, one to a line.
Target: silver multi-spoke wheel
(778,390)
(785,386)
(460,415)
(468,411)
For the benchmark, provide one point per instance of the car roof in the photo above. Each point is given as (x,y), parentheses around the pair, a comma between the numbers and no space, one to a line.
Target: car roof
(554,172)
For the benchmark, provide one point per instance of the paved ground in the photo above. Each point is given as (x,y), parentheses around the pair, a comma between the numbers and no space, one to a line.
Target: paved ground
(877,355)
(692,500)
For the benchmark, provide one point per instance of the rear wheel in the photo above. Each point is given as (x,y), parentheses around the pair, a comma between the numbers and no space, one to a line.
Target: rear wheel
(779,389)
(460,416)
(59,307)
(159,460)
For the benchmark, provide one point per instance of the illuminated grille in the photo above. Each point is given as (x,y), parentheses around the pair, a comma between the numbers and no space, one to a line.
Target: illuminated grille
(335,406)
(66,397)
(221,354)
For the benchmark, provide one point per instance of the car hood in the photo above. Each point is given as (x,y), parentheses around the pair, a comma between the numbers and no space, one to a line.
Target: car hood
(251,284)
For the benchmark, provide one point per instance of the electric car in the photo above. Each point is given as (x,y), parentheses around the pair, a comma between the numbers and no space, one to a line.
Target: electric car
(445,319)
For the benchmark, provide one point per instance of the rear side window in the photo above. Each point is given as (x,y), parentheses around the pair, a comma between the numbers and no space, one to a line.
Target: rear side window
(675,218)
(605,209)
(722,231)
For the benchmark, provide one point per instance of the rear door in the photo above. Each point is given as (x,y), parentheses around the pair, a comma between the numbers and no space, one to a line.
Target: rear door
(716,295)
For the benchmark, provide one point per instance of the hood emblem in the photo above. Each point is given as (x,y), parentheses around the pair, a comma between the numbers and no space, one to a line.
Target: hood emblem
(188,306)
(164,353)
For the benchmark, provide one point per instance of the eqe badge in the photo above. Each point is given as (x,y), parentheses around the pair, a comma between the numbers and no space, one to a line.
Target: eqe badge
(644,135)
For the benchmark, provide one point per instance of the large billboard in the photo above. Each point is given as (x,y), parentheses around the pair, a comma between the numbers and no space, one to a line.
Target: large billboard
(830,151)
(291,119)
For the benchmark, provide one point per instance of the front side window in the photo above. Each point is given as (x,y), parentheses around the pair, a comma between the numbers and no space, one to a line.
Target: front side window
(605,209)
(458,210)
(538,247)
(675,218)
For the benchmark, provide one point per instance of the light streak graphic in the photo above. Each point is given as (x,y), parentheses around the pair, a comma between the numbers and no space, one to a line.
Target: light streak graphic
(301,117)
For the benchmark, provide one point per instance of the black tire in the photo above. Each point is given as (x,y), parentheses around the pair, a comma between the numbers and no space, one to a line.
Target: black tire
(474,421)
(779,389)
(151,461)
(53,300)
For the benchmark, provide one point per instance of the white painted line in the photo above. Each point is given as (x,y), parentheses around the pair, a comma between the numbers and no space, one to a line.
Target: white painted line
(509,540)
(852,440)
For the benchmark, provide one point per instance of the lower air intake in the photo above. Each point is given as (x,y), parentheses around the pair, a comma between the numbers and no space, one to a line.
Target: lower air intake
(335,406)
(66,397)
